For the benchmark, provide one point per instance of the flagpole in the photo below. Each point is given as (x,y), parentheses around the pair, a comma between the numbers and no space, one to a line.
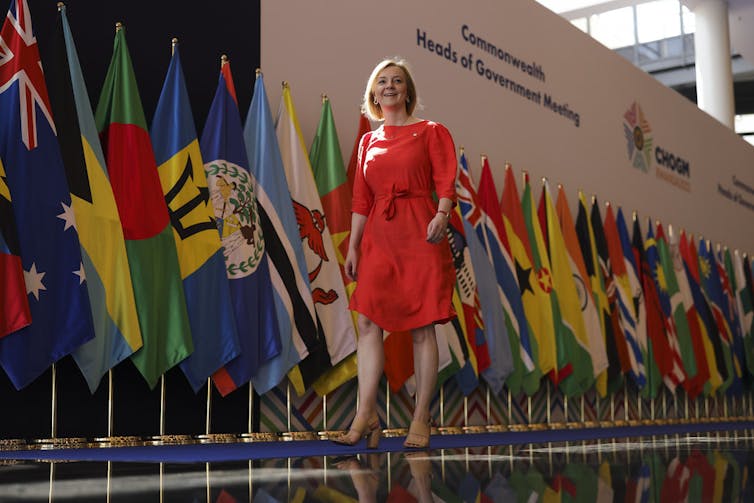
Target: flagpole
(110,404)
(163,399)
(208,415)
(250,418)
(54,403)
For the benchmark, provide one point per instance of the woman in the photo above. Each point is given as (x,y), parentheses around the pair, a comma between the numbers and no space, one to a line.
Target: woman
(398,252)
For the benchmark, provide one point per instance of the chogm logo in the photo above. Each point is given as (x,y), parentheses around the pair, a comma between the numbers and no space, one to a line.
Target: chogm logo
(638,137)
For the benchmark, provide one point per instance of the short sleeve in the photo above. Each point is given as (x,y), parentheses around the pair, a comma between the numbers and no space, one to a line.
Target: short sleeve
(362,194)
(442,157)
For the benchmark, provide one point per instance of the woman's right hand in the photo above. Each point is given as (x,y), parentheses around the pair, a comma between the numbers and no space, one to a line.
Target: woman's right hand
(352,263)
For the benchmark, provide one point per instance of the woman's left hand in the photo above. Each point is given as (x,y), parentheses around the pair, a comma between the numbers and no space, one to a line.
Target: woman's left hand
(436,228)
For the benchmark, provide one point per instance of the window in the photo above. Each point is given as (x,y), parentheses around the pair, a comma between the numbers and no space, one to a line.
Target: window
(614,28)
(658,20)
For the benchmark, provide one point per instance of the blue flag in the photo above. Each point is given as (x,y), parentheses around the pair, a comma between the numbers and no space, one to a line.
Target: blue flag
(50,253)
(301,332)
(232,195)
(200,253)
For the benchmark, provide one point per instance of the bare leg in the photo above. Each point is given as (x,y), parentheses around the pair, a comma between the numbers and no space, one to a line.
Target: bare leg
(425,370)
(370,363)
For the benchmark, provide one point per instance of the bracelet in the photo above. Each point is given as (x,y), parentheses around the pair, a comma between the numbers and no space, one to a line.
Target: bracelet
(446,213)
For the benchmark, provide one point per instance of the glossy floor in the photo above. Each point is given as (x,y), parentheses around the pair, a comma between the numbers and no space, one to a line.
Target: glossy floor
(683,468)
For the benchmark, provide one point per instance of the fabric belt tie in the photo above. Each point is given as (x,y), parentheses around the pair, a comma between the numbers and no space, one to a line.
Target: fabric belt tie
(390,197)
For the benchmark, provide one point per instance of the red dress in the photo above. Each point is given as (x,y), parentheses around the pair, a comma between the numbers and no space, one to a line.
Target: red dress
(404,282)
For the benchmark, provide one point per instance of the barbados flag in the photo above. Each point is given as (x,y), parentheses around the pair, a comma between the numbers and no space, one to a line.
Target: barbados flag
(233,199)
(200,253)
(103,248)
(48,239)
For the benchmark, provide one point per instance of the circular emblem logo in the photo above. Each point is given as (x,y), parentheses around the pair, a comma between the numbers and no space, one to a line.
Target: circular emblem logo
(235,207)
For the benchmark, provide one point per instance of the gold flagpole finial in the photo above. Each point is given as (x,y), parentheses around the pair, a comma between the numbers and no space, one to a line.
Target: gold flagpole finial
(483,157)
(223,60)
(285,84)
(61,6)
(118,26)
(460,150)
(258,72)
(324,98)
(173,43)
(508,165)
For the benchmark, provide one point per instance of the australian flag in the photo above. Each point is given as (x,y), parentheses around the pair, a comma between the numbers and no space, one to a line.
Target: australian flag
(50,253)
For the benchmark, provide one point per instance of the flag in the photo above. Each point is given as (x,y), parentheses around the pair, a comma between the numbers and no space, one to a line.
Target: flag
(571,333)
(510,281)
(592,325)
(325,278)
(335,193)
(46,225)
(713,291)
(300,331)
(728,283)
(617,342)
(103,248)
(745,304)
(624,298)
(669,286)
(200,253)
(478,359)
(234,202)
(697,382)
(152,257)
(677,373)
(534,298)
(658,363)
(597,272)
(633,273)
(14,310)
(713,349)
(501,324)
(364,128)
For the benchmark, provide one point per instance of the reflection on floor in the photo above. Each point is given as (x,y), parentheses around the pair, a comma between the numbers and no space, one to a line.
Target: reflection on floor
(691,468)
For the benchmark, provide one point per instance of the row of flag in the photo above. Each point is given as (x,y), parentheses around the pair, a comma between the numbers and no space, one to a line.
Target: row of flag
(589,303)
(122,241)
(223,253)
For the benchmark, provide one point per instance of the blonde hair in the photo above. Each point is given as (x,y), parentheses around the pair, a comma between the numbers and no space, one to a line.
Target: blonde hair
(372,109)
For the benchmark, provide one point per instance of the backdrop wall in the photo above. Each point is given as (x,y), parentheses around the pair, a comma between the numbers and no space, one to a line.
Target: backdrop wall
(516,82)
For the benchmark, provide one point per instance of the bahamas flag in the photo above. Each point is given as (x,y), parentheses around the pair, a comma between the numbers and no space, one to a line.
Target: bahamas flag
(237,214)
(47,235)
(14,309)
(152,257)
(200,253)
(103,247)
(300,330)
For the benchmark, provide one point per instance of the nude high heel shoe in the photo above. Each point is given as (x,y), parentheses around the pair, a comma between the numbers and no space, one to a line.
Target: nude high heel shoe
(361,428)
(418,435)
